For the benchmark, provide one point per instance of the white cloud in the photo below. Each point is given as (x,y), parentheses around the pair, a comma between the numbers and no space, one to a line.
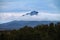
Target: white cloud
(6,17)
(42,16)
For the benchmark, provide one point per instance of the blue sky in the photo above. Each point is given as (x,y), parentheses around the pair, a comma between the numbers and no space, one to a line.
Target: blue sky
(29,5)
(15,7)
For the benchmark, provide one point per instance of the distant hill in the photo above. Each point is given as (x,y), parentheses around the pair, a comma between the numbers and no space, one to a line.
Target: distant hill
(19,24)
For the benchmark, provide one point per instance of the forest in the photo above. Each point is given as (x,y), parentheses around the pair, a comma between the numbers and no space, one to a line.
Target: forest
(39,32)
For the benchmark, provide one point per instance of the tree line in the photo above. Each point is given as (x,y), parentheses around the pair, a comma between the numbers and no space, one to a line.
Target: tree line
(40,32)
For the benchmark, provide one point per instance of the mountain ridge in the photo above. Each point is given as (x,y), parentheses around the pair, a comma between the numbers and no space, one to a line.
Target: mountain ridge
(19,24)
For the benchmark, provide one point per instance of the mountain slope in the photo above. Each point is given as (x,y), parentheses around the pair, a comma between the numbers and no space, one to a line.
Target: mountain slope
(19,24)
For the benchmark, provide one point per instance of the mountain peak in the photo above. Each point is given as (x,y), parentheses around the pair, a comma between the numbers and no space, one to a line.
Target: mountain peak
(31,13)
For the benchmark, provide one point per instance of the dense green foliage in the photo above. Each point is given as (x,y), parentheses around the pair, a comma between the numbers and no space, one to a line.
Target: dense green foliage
(39,32)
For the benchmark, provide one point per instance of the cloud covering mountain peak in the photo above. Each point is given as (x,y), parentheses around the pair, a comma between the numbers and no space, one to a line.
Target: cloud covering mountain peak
(41,16)
(31,13)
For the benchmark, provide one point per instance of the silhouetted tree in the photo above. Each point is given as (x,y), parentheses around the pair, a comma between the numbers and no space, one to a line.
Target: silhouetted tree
(39,32)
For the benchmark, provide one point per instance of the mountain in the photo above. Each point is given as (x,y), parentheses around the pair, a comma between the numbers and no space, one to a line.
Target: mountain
(31,13)
(19,24)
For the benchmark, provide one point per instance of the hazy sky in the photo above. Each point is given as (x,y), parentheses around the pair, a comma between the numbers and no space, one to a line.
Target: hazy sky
(13,9)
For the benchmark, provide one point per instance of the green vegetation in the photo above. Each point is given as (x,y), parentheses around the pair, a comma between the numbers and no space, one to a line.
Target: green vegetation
(39,32)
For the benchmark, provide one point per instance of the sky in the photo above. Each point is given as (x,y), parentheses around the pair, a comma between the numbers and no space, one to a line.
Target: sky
(10,10)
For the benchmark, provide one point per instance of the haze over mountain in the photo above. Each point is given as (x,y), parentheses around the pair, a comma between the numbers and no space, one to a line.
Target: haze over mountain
(20,24)
(29,16)
(32,12)
(33,19)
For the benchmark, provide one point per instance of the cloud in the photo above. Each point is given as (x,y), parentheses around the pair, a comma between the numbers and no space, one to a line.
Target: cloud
(6,17)
(49,7)
(31,13)
(42,16)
